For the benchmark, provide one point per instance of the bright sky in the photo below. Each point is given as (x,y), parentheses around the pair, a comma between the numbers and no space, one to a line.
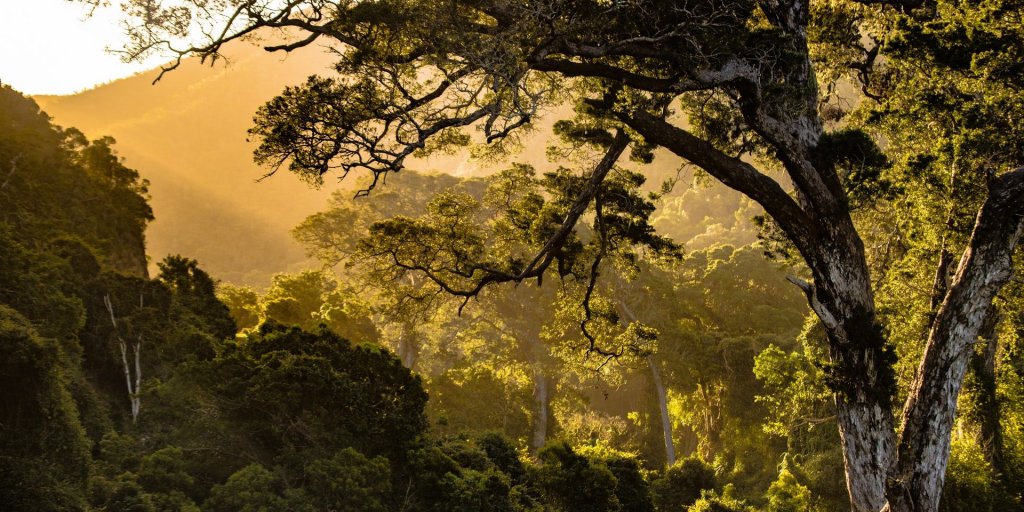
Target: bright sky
(51,47)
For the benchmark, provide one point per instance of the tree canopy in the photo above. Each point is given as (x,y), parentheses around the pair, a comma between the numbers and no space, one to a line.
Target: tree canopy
(739,89)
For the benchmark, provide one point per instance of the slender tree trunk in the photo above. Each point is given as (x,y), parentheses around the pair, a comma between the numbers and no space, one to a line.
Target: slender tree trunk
(408,346)
(542,407)
(990,433)
(134,387)
(659,388)
(666,422)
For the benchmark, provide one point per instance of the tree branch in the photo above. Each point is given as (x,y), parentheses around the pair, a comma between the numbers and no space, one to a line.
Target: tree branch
(732,172)
(542,259)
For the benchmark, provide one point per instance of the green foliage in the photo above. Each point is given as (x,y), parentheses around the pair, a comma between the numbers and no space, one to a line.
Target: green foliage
(129,496)
(860,163)
(503,455)
(683,483)
(44,448)
(972,484)
(631,489)
(349,482)
(787,494)
(332,426)
(56,183)
(254,489)
(795,391)
(164,471)
(194,290)
(307,300)
(476,399)
(570,481)
(457,476)
(243,305)
(297,299)
(31,282)
(296,394)
(724,502)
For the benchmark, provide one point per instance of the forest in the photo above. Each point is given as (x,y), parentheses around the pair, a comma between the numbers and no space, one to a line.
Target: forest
(723,256)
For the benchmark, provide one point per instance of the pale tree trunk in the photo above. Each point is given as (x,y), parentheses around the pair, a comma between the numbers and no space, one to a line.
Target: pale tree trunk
(134,386)
(880,472)
(659,388)
(916,477)
(666,421)
(408,346)
(867,439)
(542,409)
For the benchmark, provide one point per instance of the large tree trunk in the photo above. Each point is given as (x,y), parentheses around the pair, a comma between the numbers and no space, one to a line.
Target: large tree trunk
(861,372)
(863,409)
(880,472)
(916,477)
(666,422)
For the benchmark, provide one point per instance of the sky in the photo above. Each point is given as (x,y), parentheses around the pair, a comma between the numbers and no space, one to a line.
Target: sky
(52,47)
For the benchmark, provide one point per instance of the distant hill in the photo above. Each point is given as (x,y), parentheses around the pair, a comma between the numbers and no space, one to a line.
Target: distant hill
(187,135)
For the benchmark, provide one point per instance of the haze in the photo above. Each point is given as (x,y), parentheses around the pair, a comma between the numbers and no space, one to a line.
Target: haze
(53,47)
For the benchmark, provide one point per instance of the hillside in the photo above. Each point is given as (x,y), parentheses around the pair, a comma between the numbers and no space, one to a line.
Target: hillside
(187,134)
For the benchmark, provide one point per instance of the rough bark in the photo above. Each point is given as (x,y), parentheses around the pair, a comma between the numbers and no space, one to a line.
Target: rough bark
(916,478)
(820,227)
(860,374)
(779,100)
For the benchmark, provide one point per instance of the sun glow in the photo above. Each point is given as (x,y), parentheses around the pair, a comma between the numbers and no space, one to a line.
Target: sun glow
(54,47)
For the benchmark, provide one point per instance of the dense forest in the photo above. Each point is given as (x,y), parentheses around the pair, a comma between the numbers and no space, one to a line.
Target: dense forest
(733,286)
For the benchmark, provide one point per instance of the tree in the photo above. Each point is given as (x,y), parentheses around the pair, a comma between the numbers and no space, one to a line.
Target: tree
(682,484)
(44,454)
(414,73)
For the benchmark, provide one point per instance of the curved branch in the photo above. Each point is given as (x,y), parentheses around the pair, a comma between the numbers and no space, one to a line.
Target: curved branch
(732,172)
